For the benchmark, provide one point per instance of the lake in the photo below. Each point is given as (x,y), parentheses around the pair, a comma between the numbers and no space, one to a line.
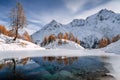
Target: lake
(55,68)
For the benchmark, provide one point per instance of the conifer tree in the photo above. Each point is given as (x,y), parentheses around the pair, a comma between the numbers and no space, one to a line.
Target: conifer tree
(18,19)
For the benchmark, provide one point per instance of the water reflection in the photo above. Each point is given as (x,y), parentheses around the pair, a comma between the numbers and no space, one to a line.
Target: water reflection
(53,68)
(61,60)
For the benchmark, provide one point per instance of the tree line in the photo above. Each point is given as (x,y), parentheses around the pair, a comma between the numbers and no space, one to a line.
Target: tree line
(69,36)
(66,36)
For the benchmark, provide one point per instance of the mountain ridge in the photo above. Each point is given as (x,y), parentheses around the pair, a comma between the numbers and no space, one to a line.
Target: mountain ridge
(104,24)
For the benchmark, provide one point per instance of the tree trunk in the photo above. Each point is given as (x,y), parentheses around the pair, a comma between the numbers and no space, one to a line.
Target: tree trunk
(16,34)
(14,66)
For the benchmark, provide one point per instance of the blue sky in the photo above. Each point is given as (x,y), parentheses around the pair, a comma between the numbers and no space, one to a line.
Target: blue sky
(41,12)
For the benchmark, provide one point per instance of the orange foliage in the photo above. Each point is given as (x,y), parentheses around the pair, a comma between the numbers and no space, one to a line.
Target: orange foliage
(60,36)
(12,34)
(45,41)
(77,41)
(26,37)
(24,60)
(65,36)
(3,30)
(51,38)
(71,37)
(116,38)
(104,42)
(60,60)
(2,66)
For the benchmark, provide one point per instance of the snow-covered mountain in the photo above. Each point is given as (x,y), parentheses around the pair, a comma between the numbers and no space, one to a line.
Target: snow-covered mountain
(104,24)
(66,45)
(52,28)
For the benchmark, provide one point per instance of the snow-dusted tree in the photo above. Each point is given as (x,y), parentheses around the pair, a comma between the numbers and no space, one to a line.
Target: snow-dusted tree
(45,41)
(18,19)
(104,42)
(65,36)
(116,38)
(26,36)
(60,35)
(51,38)
(77,41)
(71,37)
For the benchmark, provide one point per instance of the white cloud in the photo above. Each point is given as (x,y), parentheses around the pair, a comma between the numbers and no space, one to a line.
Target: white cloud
(83,5)
(112,5)
(32,28)
(4,23)
(74,5)
(62,18)
(45,17)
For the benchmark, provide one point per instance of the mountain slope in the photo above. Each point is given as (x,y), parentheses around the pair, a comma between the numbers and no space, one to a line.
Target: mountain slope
(104,24)
(52,28)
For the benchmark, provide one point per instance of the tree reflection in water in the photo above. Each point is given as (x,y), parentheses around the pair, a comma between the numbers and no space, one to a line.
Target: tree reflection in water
(61,60)
(11,63)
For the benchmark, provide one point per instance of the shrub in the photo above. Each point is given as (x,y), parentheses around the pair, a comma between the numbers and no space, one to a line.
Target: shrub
(3,30)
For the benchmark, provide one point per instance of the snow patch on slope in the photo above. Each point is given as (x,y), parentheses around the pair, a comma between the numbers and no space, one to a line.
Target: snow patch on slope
(67,45)
(113,48)
(7,43)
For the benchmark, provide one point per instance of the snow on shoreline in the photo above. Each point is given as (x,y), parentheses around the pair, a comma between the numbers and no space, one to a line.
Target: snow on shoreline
(114,66)
(51,52)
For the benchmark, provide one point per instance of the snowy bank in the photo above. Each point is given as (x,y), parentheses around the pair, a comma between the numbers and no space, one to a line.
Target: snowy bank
(66,44)
(113,66)
(7,43)
(113,48)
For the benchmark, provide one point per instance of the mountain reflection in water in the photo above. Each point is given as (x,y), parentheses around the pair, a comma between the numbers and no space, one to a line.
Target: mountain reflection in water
(53,68)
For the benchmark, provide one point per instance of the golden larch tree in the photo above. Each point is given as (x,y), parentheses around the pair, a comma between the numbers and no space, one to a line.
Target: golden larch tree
(18,19)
